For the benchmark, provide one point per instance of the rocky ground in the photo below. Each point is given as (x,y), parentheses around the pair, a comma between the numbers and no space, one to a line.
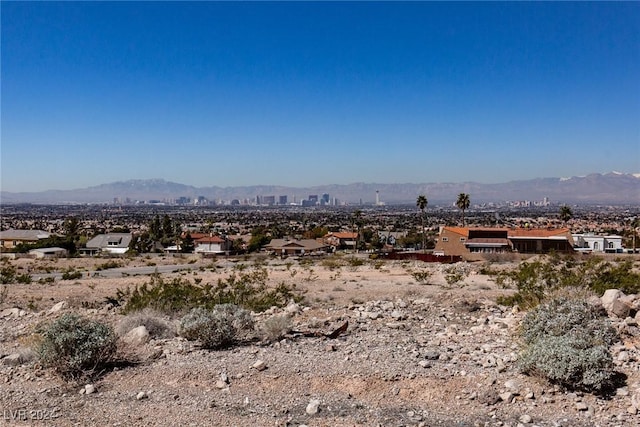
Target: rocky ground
(432,354)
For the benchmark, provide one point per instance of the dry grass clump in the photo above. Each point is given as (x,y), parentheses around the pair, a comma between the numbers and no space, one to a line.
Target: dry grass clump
(152,320)
(219,327)
(275,327)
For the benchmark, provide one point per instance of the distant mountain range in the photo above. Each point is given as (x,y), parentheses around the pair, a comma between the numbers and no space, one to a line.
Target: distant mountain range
(611,188)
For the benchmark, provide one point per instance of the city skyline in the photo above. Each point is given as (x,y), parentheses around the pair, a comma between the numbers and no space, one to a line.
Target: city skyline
(233,94)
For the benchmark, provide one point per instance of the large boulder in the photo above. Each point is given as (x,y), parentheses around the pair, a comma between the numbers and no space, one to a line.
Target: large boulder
(137,336)
(609,297)
(620,309)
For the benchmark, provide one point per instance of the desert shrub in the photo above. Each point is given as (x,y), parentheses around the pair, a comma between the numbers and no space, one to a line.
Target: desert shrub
(571,317)
(7,274)
(355,262)
(246,289)
(71,274)
(151,320)
(567,342)
(109,264)
(275,327)
(332,263)
(604,275)
(536,280)
(570,362)
(4,291)
(487,270)
(217,327)
(76,347)
(376,263)
(455,273)
(175,296)
(24,278)
(421,276)
(249,290)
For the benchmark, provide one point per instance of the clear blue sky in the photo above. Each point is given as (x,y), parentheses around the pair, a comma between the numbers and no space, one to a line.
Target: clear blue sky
(302,94)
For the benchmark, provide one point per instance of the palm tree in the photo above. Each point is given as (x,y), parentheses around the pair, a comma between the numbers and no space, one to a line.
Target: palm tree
(421,203)
(463,203)
(565,213)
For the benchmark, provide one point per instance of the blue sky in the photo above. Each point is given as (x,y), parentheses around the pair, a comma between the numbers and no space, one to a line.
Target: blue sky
(302,94)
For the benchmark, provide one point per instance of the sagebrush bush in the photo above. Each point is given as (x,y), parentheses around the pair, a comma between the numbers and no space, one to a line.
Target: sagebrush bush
(217,327)
(567,342)
(76,347)
(569,362)
(568,317)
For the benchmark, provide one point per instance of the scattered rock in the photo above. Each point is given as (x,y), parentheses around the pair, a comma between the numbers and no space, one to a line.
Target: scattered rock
(14,312)
(581,406)
(525,419)
(431,355)
(14,359)
(142,395)
(313,407)
(620,309)
(259,365)
(58,307)
(489,398)
(506,396)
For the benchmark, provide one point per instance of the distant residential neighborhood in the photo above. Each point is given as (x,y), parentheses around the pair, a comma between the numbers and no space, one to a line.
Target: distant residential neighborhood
(50,231)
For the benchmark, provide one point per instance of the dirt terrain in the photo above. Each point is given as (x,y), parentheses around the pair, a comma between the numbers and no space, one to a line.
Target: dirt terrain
(434,353)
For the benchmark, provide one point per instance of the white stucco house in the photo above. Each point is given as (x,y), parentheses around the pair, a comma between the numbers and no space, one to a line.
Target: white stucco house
(593,243)
(211,245)
(53,252)
(112,243)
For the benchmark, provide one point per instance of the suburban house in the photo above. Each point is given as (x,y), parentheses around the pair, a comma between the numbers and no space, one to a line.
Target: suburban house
(593,243)
(9,239)
(212,245)
(341,240)
(464,240)
(112,243)
(296,246)
(54,252)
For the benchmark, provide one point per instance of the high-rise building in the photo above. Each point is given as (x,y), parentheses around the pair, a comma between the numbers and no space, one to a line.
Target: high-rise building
(269,200)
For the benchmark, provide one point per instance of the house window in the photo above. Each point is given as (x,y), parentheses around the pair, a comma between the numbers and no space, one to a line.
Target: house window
(445,239)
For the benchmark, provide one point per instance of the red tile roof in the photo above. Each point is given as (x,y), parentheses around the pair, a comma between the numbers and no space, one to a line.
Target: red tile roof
(514,232)
(343,235)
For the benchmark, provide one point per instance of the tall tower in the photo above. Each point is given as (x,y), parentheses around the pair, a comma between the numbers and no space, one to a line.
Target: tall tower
(377,198)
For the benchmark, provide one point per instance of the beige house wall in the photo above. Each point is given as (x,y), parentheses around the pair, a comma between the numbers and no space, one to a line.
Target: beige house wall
(451,243)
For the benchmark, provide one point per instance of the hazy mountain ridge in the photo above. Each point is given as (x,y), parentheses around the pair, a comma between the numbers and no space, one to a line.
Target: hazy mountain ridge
(610,188)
